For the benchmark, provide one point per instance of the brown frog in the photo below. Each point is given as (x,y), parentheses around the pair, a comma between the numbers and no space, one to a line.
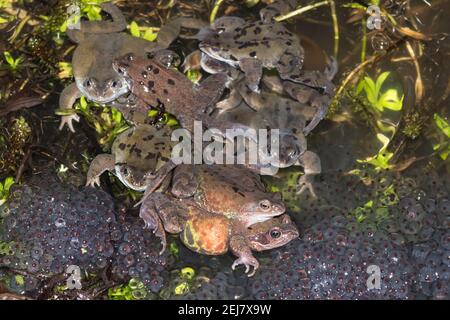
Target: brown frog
(99,42)
(157,84)
(212,234)
(229,191)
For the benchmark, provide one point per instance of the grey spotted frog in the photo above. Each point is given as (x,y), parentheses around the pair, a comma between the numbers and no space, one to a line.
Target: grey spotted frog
(99,42)
(138,156)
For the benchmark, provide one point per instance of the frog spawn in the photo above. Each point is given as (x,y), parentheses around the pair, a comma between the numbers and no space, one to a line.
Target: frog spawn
(51,226)
(48,226)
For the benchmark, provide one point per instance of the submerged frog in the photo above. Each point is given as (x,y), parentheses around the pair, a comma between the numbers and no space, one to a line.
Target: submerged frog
(289,117)
(138,156)
(99,42)
(252,46)
(230,191)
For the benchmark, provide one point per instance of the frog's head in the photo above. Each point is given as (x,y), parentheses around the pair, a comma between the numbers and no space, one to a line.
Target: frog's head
(291,148)
(102,91)
(261,206)
(213,46)
(132,177)
(272,233)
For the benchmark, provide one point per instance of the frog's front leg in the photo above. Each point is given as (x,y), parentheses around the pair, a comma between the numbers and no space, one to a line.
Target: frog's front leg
(149,214)
(184,181)
(66,101)
(172,215)
(252,69)
(310,162)
(240,248)
(117,24)
(101,163)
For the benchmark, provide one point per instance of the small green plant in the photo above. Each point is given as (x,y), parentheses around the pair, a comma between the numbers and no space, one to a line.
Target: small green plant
(381,160)
(4,189)
(133,290)
(147,33)
(13,64)
(444,128)
(388,99)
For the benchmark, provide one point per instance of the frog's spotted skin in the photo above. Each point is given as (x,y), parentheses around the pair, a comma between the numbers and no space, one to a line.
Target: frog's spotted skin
(156,84)
(287,115)
(137,156)
(232,192)
(99,42)
(214,234)
(252,46)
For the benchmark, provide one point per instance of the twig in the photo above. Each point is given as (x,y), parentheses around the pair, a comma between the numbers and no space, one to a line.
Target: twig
(214,11)
(335,27)
(301,10)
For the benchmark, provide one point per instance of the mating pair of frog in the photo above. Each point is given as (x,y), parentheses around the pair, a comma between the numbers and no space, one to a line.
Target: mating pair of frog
(213,207)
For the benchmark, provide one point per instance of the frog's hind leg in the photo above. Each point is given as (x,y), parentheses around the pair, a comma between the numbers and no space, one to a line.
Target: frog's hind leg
(101,163)
(117,24)
(171,30)
(149,214)
(310,162)
(211,90)
(240,248)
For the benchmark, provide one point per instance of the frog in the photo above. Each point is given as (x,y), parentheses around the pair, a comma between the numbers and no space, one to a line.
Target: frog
(98,43)
(214,235)
(154,84)
(138,156)
(231,191)
(251,46)
(269,110)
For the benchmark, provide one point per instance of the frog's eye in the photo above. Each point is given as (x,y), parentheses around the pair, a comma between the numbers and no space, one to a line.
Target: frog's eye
(125,171)
(88,83)
(265,205)
(114,84)
(130,57)
(275,233)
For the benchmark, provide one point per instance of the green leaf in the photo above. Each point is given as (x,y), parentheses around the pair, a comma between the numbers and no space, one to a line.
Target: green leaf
(390,100)
(116,115)
(134,29)
(442,124)
(8,183)
(380,80)
(370,90)
(149,35)
(8,57)
(360,86)
(354,5)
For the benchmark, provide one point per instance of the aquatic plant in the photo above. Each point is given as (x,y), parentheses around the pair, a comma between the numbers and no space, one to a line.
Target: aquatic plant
(133,290)
(444,128)
(13,64)
(5,186)
(147,33)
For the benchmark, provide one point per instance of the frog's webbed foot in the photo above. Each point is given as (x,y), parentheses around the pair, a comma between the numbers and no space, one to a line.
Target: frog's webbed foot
(310,161)
(253,72)
(152,221)
(100,164)
(67,120)
(240,248)
(276,8)
(66,101)
(171,30)
(248,262)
